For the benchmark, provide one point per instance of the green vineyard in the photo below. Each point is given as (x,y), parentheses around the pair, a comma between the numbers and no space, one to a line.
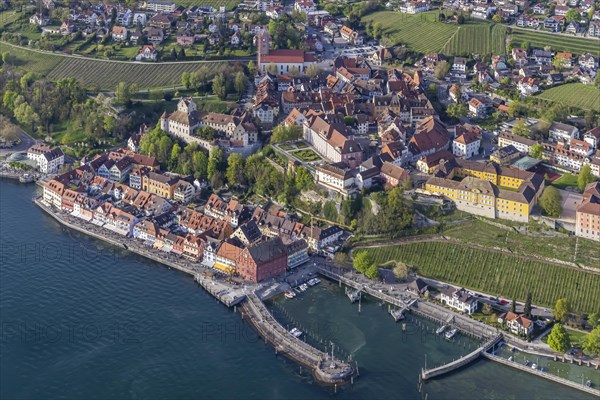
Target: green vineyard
(574,94)
(420,32)
(496,273)
(478,39)
(556,42)
(107,74)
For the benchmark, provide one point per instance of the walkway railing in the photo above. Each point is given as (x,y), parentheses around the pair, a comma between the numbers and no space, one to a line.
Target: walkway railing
(461,362)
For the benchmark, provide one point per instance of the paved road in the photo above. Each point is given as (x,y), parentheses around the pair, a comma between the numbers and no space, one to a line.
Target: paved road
(26,142)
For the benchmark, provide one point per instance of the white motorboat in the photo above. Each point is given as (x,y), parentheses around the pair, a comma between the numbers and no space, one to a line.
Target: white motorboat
(441,329)
(289,294)
(303,287)
(534,366)
(450,334)
(296,332)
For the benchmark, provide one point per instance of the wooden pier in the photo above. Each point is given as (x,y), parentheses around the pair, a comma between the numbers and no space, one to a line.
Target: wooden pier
(326,368)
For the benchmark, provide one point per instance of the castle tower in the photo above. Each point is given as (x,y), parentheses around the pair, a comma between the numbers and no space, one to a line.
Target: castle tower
(164,122)
(263,45)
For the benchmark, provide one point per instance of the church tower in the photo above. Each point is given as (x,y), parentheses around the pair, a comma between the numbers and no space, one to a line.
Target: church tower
(263,45)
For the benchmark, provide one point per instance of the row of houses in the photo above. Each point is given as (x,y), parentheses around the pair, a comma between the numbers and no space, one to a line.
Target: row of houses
(255,245)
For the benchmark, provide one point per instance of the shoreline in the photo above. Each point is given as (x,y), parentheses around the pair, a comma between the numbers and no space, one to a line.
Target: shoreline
(325,370)
(280,342)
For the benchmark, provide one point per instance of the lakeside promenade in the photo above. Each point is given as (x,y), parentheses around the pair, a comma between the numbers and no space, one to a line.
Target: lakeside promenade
(326,369)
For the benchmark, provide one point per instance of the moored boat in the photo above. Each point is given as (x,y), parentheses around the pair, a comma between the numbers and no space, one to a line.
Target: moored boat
(441,329)
(450,334)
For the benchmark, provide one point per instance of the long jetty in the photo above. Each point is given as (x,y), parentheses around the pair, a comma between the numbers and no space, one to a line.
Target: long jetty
(325,367)
(461,362)
(542,374)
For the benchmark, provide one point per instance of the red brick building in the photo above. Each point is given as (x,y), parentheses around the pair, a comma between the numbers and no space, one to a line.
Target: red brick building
(262,261)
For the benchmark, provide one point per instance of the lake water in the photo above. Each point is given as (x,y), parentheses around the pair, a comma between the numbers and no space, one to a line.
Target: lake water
(82,319)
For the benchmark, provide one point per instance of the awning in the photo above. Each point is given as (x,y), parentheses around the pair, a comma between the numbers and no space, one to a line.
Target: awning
(225,268)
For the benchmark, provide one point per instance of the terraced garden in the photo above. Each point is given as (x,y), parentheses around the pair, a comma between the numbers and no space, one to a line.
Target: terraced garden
(574,94)
(496,273)
(477,38)
(556,42)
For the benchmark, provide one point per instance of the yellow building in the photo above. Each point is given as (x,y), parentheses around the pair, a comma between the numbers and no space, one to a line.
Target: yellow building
(159,184)
(488,189)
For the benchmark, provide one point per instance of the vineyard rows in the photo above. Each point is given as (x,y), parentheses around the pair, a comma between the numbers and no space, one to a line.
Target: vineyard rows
(496,273)
(106,75)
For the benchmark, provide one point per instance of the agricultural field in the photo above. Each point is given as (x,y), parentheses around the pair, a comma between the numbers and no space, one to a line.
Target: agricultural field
(41,63)
(477,38)
(556,42)
(107,74)
(574,94)
(533,243)
(420,32)
(496,273)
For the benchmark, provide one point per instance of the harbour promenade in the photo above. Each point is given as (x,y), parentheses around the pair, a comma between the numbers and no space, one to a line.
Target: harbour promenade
(326,369)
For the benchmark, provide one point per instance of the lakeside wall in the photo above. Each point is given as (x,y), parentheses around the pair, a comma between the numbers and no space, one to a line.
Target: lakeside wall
(541,374)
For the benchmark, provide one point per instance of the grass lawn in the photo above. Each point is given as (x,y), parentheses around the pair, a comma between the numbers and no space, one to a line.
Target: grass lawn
(576,337)
(574,94)
(496,273)
(565,181)
(8,17)
(306,155)
(560,248)
(31,61)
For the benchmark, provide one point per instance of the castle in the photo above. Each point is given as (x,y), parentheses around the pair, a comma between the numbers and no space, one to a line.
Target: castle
(240,131)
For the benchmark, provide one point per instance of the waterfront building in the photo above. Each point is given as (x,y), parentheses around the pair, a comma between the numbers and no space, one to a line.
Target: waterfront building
(518,324)
(297,253)
(459,299)
(262,261)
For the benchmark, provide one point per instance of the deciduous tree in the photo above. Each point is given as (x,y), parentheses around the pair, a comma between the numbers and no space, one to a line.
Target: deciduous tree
(558,339)
(591,343)
(551,202)
(585,177)
(536,151)
(362,261)
(561,309)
